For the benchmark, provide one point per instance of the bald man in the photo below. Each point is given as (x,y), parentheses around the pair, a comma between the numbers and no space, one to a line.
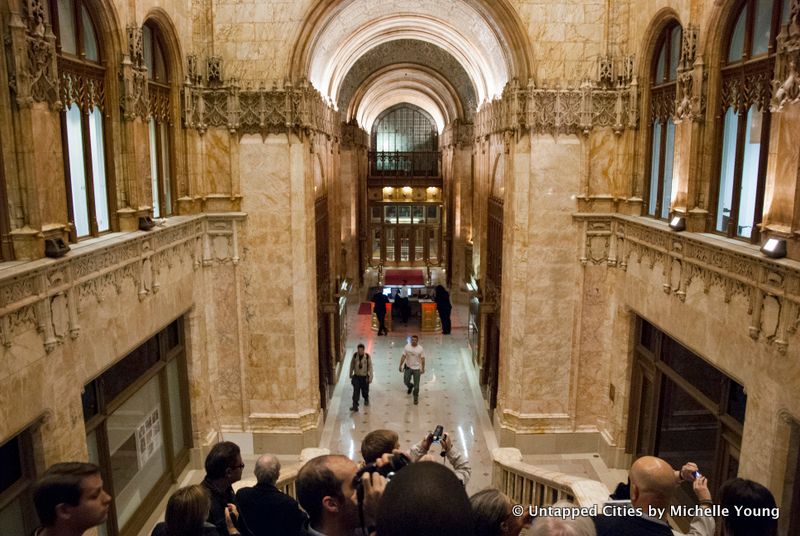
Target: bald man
(264,509)
(653,483)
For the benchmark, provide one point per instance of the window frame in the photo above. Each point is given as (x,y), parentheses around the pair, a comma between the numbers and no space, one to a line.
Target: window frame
(160,111)
(22,489)
(89,72)
(743,72)
(175,461)
(662,108)
(6,249)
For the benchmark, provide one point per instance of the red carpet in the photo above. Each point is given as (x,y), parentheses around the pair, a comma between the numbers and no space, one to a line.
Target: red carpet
(394,278)
(365,308)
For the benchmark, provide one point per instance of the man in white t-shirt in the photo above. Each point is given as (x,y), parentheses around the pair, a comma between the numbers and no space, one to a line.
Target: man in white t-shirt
(412,365)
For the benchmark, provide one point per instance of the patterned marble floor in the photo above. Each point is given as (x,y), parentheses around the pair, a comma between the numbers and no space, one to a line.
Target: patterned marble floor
(449,395)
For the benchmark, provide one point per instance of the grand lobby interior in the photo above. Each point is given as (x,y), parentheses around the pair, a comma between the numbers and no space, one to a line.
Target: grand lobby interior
(199,199)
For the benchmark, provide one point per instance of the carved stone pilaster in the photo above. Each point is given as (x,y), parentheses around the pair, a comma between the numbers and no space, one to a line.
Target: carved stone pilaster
(786,85)
(32,56)
(689,95)
(133,77)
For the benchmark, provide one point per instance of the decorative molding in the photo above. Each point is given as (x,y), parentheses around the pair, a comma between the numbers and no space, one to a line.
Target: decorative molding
(261,110)
(353,136)
(689,99)
(611,101)
(50,295)
(457,134)
(31,47)
(771,289)
(786,85)
(134,98)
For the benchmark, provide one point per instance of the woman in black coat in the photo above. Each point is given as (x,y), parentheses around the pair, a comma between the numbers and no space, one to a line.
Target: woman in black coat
(444,307)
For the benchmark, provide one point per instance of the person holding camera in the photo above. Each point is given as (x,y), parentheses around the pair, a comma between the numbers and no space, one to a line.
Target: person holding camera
(457,459)
(412,365)
(360,376)
(327,489)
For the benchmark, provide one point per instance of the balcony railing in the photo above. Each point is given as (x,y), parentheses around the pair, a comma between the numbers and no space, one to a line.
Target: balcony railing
(410,164)
(528,484)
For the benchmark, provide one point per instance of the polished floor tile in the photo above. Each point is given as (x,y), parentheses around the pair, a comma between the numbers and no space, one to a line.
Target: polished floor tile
(449,395)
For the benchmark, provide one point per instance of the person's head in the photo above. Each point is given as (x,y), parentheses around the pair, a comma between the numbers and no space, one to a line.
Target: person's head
(753,496)
(360,349)
(187,510)
(377,443)
(224,461)
(326,492)
(563,526)
(71,495)
(491,511)
(268,469)
(414,340)
(652,482)
(425,499)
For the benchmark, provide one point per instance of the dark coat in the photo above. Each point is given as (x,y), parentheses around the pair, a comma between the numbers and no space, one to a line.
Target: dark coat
(264,510)
(629,526)
(219,501)
(208,530)
(380,302)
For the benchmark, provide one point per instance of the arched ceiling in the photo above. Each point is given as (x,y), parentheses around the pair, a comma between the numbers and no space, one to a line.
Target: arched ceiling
(407,52)
(341,33)
(405,83)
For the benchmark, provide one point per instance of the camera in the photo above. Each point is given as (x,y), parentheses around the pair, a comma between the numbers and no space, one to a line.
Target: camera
(436,437)
(397,462)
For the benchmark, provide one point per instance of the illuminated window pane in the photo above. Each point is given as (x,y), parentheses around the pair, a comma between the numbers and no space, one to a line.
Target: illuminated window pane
(669,155)
(761,28)
(98,169)
(166,176)
(736,50)
(77,173)
(154,168)
(752,152)
(654,168)
(726,172)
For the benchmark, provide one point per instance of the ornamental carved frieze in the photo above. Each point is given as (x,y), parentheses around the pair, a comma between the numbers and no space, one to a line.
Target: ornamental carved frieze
(53,299)
(786,85)
(610,101)
(689,96)
(31,47)
(754,88)
(256,110)
(769,291)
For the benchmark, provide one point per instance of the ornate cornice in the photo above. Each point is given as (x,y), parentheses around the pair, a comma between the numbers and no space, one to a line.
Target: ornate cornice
(611,101)
(134,97)
(771,288)
(51,295)
(215,102)
(457,134)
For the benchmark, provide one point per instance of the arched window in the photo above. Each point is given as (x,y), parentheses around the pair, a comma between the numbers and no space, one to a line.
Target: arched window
(405,142)
(748,59)
(159,120)
(662,107)
(82,84)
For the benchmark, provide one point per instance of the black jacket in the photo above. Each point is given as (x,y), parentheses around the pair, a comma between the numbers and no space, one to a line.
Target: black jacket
(629,526)
(208,530)
(265,510)
(219,501)
(380,302)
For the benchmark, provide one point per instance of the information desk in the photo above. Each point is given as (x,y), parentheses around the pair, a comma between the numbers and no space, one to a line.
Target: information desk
(429,320)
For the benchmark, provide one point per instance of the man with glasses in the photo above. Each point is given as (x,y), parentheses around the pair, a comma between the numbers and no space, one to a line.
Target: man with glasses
(223,468)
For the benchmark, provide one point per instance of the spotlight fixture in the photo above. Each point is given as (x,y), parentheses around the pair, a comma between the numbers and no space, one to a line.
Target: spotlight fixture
(774,248)
(677,223)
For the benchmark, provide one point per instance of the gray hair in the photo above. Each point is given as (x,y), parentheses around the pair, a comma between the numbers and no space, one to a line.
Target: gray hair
(267,470)
(560,526)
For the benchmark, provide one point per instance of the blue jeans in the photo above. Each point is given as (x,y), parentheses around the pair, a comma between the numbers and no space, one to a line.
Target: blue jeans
(407,374)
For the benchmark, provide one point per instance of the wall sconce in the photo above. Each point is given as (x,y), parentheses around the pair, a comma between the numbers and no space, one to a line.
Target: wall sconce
(677,223)
(774,248)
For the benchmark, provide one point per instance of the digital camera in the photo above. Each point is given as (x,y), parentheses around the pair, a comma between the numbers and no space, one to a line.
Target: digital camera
(436,437)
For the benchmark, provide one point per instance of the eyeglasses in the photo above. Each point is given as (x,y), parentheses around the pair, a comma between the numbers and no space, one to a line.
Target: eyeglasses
(240,466)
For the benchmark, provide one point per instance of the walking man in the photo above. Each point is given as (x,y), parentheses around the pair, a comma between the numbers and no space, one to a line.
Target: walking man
(360,376)
(412,365)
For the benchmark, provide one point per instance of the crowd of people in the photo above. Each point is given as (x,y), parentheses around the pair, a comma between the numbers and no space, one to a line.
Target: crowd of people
(392,493)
